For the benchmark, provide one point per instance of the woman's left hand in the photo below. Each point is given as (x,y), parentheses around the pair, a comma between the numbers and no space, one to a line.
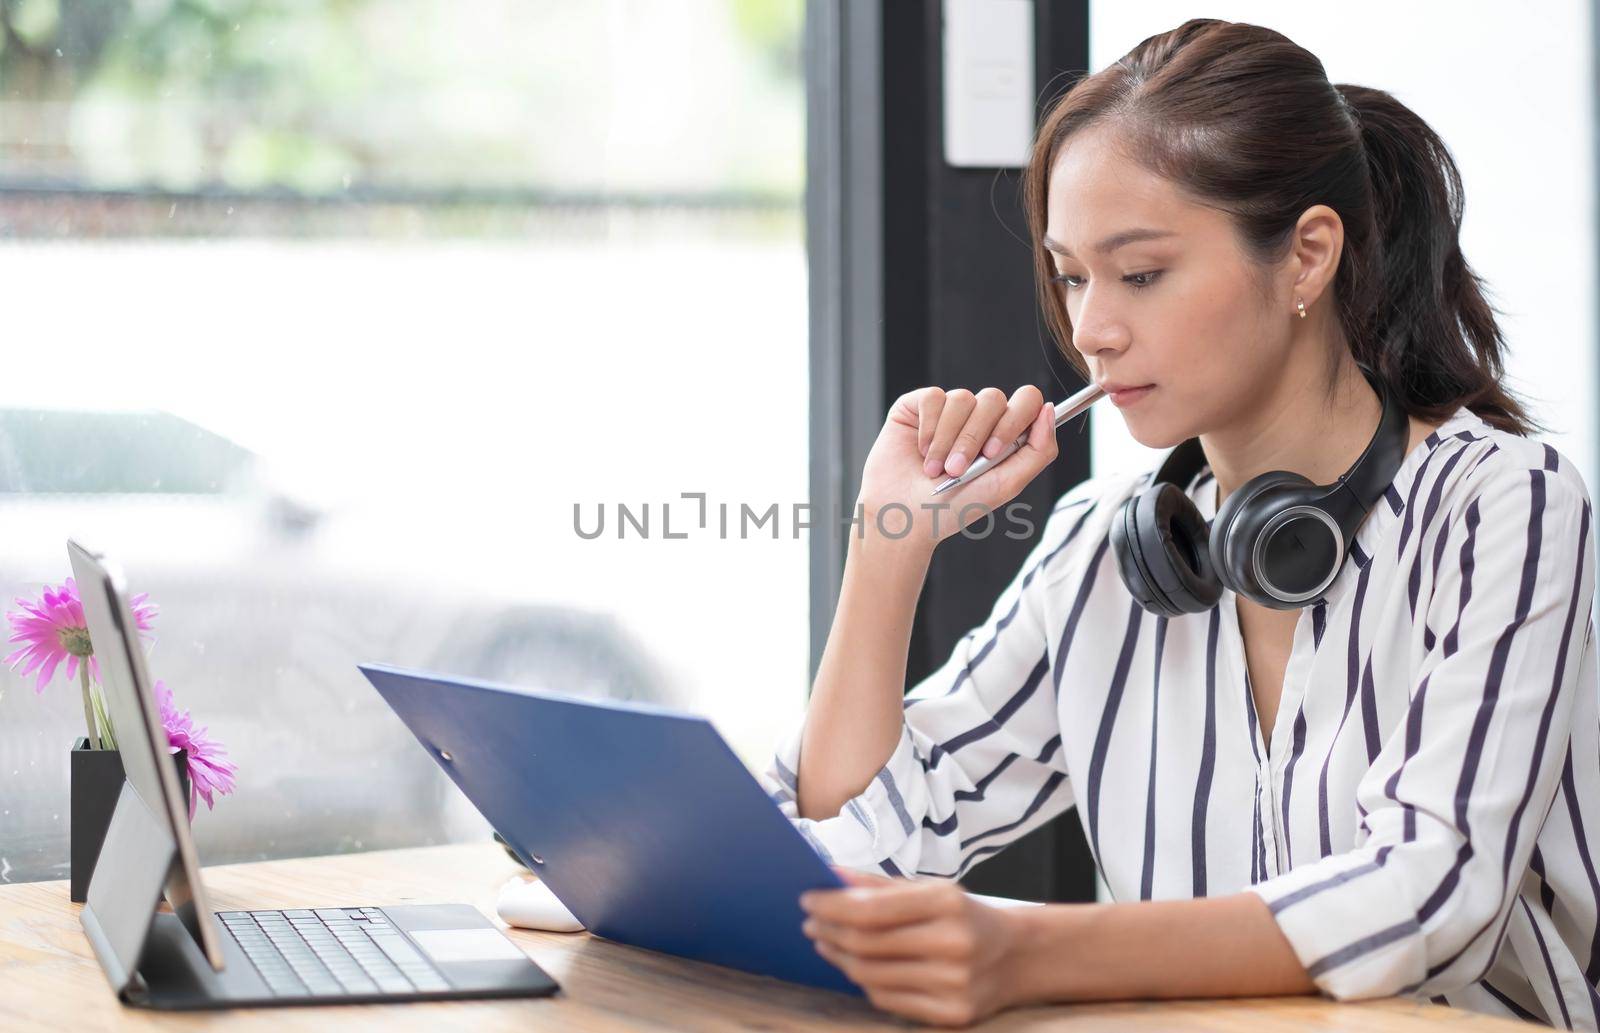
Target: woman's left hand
(918,947)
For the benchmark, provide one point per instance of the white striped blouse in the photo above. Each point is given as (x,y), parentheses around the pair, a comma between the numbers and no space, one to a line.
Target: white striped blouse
(1416,817)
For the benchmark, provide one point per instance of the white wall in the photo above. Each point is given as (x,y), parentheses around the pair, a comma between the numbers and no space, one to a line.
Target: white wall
(1509,88)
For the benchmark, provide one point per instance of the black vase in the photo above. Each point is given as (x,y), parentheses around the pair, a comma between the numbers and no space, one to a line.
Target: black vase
(97,778)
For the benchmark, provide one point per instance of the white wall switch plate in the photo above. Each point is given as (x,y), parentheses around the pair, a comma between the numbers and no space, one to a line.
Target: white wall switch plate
(988,82)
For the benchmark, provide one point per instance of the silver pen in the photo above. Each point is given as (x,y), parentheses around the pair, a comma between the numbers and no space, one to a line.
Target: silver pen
(1065,410)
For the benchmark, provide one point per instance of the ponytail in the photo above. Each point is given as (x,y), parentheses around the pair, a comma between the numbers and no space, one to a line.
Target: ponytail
(1435,336)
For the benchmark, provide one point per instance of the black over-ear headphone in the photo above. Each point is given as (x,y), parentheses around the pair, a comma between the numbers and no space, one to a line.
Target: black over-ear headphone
(1278,540)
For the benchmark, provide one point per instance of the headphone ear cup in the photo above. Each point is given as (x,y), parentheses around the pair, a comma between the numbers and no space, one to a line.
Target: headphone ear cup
(1232,530)
(1161,544)
(1174,539)
(1130,563)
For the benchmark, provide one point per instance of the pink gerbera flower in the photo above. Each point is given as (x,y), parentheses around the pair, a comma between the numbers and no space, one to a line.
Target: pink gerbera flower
(52,630)
(208,772)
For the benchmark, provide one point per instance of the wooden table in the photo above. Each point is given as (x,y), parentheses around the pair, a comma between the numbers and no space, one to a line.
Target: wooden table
(49,980)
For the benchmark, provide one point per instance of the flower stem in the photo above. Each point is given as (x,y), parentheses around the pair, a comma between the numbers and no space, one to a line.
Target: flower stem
(88,707)
(108,735)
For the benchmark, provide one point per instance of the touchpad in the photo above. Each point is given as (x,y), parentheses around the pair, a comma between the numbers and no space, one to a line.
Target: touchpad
(447,945)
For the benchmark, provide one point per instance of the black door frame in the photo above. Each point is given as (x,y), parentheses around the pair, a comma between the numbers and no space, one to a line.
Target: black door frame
(920,273)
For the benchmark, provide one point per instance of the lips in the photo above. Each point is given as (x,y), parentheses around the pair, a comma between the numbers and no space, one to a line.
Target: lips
(1125,396)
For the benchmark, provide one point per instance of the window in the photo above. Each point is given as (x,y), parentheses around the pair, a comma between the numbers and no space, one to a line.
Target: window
(324,317)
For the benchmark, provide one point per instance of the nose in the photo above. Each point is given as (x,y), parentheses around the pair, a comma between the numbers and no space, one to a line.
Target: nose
(1097,331)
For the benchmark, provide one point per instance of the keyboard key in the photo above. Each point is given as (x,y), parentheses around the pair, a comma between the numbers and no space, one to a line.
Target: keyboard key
(419,978)
(430,983)
(396,947)
(345,973)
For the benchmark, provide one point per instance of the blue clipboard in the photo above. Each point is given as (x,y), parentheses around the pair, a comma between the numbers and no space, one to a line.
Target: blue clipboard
(641,819)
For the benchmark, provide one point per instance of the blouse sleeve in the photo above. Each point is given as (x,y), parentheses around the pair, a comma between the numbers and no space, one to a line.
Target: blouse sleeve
(979,762)
(1455,798)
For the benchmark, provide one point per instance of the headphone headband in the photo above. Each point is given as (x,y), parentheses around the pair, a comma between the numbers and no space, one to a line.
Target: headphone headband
(1374,468)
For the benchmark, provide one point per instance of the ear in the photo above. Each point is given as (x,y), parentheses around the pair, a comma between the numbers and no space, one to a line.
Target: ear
(1315,247)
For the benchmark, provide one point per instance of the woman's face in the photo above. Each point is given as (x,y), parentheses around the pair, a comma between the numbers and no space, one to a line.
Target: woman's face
(1182,310)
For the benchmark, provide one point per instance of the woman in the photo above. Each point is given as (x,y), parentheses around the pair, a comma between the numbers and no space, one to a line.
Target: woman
(1382,790)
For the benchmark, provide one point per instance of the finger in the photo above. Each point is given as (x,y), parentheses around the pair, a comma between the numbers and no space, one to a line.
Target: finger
(1016,421)
(979,428)
(935,1010)
(875,907)
(857,878)
(895,974)
(958,405)
(1006,479)
(1038,452)
(937,938)
(929,406)
(904,410)
(1042,434)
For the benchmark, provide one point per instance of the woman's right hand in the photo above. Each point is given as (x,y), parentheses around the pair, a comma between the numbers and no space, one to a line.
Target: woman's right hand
(931,434)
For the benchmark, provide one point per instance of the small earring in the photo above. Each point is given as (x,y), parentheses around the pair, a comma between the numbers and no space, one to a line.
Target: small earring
(1301,305)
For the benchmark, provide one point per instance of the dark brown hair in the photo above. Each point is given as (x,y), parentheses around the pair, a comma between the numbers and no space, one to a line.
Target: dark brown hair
(1244,120)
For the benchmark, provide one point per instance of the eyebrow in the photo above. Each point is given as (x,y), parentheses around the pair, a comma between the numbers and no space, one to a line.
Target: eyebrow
(1111,243)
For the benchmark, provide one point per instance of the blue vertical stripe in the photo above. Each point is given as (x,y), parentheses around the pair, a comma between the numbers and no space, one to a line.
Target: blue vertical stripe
(1108,719)
(1352,676)
(1208,759)
(1067,633)
(1147,876)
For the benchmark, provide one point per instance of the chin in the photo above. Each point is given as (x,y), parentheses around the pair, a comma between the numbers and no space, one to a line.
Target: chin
(1155,434)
